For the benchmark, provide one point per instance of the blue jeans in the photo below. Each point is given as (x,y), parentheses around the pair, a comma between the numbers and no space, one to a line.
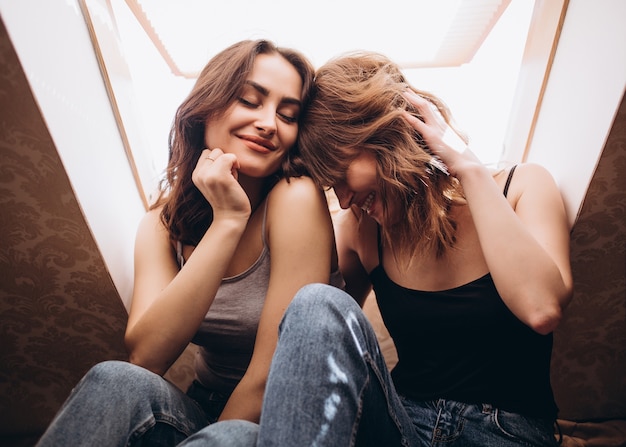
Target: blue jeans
(329,386)
(120,404)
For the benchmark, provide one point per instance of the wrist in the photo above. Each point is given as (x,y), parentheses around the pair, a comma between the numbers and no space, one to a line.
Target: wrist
(229,224)
(470,171)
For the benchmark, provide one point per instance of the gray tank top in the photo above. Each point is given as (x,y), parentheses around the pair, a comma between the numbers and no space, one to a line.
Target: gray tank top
(226,336)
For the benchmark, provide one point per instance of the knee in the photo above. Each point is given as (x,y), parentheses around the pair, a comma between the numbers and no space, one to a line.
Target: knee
(322,318)
(320,300)
(113,368)
(115,372)
(326,306)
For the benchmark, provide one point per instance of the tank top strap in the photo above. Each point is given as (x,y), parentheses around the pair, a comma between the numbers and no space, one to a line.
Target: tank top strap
(263,235)
(508,180)
(179,245)
(378,233)
(379,239)
(179,254)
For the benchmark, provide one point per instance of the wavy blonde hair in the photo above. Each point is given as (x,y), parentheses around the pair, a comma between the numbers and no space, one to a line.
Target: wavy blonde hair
(356,107)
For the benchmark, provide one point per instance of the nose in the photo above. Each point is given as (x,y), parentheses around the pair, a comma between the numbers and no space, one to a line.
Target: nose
(266,121)
(344,196)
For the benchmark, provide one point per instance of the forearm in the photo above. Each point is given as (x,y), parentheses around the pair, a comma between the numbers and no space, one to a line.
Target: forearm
(526,274)
(527,248)
(245,402)
(157,336)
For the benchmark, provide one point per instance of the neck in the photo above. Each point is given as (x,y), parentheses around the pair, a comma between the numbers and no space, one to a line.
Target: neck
(255,188)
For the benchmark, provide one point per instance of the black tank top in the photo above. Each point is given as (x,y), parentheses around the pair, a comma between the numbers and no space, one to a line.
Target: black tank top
(464,344)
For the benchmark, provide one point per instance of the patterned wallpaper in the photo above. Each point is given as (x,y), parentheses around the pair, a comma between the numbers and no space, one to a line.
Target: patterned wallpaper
(589,361)
(60,312)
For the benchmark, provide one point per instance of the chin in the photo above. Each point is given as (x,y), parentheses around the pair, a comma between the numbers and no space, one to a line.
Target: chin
(259,170)
(256,169)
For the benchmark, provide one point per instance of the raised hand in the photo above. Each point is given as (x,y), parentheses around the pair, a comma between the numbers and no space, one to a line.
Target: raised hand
(441,139)
(216,176)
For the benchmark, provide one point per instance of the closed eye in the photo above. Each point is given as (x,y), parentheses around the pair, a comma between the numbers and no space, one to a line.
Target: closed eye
(288,118)
(247,103)
(288,115)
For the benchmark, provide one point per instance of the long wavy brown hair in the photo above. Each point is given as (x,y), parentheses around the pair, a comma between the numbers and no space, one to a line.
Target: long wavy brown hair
(186,213)
(356,107)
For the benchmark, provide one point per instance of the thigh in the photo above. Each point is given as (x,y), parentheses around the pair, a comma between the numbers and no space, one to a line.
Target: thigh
(160,413)
(328,383)
(232,433)
(118,404)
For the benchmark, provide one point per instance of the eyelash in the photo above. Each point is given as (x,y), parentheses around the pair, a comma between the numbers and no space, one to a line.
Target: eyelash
(286,118)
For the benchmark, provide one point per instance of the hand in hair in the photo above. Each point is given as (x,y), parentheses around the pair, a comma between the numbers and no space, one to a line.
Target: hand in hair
(437,133)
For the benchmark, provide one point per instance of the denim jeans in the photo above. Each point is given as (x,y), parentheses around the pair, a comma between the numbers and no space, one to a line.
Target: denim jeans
(120,404)
(231,433)
(329,386)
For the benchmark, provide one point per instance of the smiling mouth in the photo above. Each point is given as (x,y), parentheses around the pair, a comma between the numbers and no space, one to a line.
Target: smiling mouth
(368,202)
(264,143)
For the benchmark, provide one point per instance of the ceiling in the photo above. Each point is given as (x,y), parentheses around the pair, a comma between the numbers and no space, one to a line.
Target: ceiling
(414,33)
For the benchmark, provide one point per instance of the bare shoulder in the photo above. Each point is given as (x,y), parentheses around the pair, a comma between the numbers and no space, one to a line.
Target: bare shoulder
(356,222)
(347,219)
(357,232)
(296,194)
(533,171)
(151,231)
(297,207)
(153,216)
(531,179)
(298,216)
(151,222)
(534,193)
(295,186)
(346,224)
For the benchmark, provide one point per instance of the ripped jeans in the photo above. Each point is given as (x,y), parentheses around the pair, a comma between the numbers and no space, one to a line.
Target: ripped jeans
(329,386)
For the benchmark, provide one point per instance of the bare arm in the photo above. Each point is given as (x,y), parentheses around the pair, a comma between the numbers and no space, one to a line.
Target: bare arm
(301,241)
(168,305)
(526,247)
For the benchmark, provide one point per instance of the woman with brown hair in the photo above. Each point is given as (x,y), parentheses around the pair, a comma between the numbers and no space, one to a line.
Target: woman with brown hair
(235,232)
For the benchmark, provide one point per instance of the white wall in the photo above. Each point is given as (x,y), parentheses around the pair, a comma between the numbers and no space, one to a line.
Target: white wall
(53,43)
(51,38)
(584,90)
(480,93)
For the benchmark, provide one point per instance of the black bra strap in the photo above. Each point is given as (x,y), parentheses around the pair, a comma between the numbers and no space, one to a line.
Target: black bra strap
(380,245)
(379,236)
(508,180)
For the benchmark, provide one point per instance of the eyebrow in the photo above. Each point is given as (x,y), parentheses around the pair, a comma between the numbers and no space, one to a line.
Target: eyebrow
(266,92)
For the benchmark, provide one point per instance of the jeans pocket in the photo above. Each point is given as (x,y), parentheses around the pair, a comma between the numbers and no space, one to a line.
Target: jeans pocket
(526,430)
